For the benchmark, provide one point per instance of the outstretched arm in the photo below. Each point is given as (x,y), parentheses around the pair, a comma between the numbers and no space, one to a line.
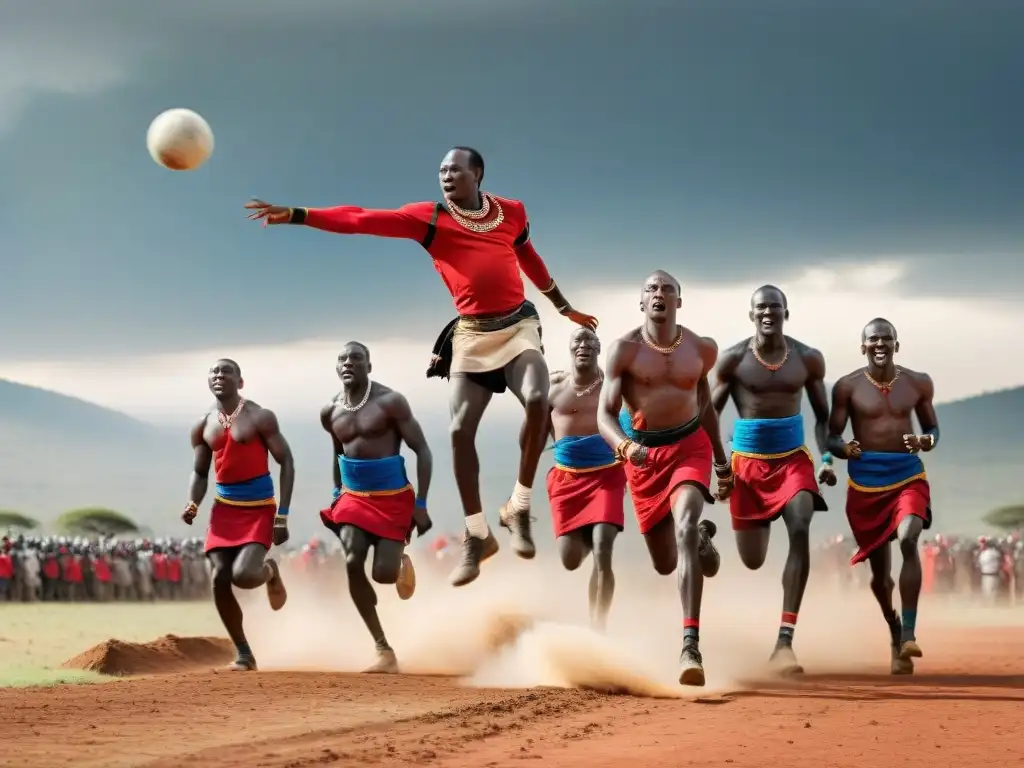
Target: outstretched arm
(837,419)
(412,435)
(410,222)
(925,411)
(270,433)
(814,361)
(406,222)
(202,458)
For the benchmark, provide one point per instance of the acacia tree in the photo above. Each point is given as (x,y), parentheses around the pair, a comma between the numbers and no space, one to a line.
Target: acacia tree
(15,520)
(1009,518)
(95,521)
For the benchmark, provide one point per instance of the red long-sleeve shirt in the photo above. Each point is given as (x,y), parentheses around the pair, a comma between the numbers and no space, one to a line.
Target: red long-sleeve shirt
(480,269)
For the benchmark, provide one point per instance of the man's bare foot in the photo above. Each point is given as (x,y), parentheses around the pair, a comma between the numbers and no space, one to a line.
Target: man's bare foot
(277,595)
(899,665)
(386,664)
(691,666)
(783,661)
(406,584)
(910,650)
(243,664)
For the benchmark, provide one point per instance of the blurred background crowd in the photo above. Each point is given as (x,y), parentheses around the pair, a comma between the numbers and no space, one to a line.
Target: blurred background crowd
(104,568)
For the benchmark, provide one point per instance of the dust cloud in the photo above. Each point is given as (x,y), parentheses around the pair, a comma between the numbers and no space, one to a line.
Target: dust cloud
(524,624)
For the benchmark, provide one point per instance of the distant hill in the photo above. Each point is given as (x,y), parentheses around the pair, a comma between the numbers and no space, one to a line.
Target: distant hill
(58,452)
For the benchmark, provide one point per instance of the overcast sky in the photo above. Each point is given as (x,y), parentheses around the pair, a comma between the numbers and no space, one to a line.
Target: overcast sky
(868,160)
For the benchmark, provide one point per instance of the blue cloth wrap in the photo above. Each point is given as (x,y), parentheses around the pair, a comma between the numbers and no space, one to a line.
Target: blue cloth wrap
(768,436)
(373,475)
(583,452)
(258,489)
(626,422)
(878,470)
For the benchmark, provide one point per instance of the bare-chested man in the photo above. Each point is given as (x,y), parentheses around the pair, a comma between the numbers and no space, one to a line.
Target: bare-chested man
(235,436)
(667,436)
(774,473)
(375,505)
(587,485)
(888,496)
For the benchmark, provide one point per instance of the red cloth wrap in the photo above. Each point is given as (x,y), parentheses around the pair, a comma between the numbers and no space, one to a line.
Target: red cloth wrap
(874,517)
(387,515)
(667,467)
(480,269)
(578,499)
(174,569)
(234,526)
(159,567)
(763,487)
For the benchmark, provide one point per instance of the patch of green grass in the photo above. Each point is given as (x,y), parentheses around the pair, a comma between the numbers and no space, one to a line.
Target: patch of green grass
(36,638)
(24,677)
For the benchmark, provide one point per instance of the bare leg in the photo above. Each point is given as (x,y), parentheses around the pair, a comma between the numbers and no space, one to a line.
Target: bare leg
(574,547)
(602,580)
(528,379)
(910,584)
(797,517)
(752,546)
(468,402)
(251,568)
(882,586)
(228,608)
(682,539)
(355,543)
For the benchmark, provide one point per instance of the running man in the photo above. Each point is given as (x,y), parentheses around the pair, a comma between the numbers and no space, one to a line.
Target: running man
(667,436)
(587,485)
(774,473)
(888,497)
(479,242)
(235,436)
(374,504)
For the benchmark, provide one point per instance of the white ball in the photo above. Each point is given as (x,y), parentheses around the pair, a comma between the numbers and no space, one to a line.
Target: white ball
(180,139)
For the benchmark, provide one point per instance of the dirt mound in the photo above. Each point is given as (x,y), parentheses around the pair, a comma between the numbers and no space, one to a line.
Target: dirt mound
(167,654)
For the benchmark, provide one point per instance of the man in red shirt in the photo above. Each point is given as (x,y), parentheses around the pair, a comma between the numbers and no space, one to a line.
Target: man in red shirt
(479,243)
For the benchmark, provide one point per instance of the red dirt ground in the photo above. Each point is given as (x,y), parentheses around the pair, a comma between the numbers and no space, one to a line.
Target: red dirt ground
(963,710)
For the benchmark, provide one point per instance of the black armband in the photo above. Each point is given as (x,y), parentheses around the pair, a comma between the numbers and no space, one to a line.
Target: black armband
(298,215)
(524,236)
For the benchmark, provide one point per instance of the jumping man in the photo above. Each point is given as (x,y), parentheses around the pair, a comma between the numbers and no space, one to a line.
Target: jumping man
(374,506)
(235,436)
(774,473)
(888,496)
(587,485)
(478,242)
(667,436)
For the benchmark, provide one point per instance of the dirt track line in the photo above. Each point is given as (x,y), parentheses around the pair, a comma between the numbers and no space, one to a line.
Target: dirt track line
(419,739)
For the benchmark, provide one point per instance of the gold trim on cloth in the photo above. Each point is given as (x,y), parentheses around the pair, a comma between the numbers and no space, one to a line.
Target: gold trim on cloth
(484,351)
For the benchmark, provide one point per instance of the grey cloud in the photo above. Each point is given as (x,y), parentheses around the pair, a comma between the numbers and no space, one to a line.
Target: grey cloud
(657,133)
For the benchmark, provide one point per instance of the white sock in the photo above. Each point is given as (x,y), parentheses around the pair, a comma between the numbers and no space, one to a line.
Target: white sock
(520,499)
(477,525)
